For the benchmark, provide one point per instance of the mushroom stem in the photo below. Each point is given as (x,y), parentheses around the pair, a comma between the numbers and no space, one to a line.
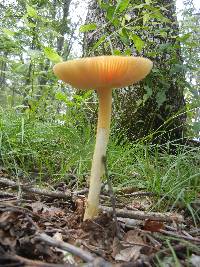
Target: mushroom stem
(102,136)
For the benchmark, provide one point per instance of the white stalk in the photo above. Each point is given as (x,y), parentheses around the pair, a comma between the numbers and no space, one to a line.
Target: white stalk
(96,173)
(102,136)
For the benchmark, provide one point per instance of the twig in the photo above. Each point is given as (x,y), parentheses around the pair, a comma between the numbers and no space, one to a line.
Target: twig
(81,192)
(84,255)
(156,243)
(195,231)
(189,238)
(85,190)
(98,262)
(4,194)
(141,215)
(112,197)
(33,190)
(138,194)
(14,260)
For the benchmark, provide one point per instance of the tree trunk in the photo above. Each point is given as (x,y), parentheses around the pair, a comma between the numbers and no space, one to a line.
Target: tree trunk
(63,25)
(155,107)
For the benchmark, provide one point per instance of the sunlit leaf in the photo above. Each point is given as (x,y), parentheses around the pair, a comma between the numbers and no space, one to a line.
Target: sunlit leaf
(128,52)
(88,27)
(8,32)
(124,36)
(99,42)
(117,52)
(145,18)
(138,42)
(110,12)
(32,12)
(52,55)
(60,96)
(122,5)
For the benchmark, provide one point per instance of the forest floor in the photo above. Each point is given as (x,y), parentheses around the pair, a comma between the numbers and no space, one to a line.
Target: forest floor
(45,228)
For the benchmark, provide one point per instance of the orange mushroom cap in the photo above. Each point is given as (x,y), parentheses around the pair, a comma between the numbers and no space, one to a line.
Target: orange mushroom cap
(103,71)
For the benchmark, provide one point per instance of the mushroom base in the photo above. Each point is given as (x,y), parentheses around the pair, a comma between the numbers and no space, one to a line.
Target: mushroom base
(96,173)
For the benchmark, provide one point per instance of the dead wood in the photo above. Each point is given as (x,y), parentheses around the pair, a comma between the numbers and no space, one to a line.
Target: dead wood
(84,255)
(141,215)
(37,191)
(18,261)
(188,238)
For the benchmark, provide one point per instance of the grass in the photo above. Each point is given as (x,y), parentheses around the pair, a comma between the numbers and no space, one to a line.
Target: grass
(46,151)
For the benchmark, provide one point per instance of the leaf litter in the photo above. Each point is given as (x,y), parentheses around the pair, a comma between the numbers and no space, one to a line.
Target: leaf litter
(48,231)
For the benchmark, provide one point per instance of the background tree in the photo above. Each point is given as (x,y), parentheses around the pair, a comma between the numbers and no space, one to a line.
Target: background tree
(35,34)
(190,49)
(156,106)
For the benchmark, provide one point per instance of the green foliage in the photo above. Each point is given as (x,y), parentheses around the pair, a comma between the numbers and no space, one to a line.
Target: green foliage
(122,5)
(32,12)
(139,44)
(40,149)
(46,151)
(150,29)
(88,27)
(35,35)
(190,46)
(52,55)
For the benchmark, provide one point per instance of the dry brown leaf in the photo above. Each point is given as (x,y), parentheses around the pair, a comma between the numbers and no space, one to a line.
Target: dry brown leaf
(37,206)
(128,249)
(134,237)
(141,203)
(53,211)
(40,207)
(128,254)
(153,226)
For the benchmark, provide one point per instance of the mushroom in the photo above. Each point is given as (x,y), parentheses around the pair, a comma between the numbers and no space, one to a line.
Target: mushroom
(102,73)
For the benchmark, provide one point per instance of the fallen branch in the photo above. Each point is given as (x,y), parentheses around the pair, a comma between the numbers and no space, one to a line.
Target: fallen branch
(33,190)
(81,192)
(138,194)
(84,255)
(188,238)
(141,215)
(4,196)
(14,260)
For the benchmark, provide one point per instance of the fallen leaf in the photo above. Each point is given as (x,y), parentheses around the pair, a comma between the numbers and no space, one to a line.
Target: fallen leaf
(37,206)
(153,226)
(53,211)
(142,203)
(130,247)
(128,254)
(134,237)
